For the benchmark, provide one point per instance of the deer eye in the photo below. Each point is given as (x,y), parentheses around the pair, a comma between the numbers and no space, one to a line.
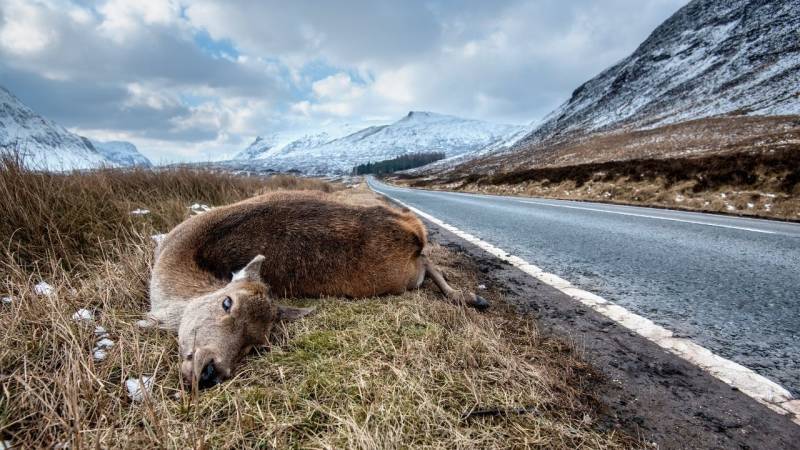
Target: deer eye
(226,304)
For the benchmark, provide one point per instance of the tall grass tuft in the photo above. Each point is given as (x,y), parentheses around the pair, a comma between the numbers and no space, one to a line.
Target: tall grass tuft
(68,217)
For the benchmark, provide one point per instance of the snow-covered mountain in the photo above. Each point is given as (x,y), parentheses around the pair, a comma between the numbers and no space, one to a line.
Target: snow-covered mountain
(44,143)
(121,153)
(712,57)
(47,145)
(286,142)
(337,151)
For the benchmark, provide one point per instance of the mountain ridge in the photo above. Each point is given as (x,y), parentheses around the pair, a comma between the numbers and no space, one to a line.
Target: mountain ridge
(710,58)
(122,153)
(44,144)
(326,152)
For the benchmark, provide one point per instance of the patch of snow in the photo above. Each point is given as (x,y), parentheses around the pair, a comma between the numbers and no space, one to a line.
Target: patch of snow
(679,198)
(104,343)
(750,205)
(730,207)
(43,288)
(139,388)
(6,445)
(99,354)
(140,212)
(101,348)
(481,286)
(83,314)
(7,300)
(158,238)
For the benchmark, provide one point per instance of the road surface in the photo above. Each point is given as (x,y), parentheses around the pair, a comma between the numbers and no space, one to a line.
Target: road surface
(730,284)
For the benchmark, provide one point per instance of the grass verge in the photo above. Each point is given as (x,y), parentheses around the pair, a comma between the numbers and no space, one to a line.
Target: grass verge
(402,371)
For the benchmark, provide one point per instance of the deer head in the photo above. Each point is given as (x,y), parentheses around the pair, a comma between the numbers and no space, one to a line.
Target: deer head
(219,328)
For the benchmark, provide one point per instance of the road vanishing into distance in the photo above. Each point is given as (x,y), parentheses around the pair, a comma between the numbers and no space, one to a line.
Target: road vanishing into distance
(730,284)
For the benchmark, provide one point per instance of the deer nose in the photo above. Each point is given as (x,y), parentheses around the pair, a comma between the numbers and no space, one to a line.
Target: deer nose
(209,376)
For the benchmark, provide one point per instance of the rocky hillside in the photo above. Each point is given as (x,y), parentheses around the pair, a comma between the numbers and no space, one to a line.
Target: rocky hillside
(339,149)
(712,57)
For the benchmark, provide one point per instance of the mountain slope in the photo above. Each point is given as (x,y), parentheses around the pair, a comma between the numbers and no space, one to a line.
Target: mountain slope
(323,152)
(710,58)
(44,143)
(704,116)
(121,153)
(264,147)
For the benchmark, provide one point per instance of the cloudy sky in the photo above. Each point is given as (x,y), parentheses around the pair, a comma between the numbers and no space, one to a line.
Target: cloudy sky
(199,79)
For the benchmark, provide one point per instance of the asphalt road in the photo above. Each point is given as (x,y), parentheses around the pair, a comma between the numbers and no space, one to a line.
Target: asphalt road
(730,284)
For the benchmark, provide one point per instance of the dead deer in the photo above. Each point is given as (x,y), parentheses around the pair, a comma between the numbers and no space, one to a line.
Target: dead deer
(215,274)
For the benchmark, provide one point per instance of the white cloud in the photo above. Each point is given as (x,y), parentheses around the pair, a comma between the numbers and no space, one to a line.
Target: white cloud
(146,69)
(23,29)
(150,97)
(336,86)
(123,18)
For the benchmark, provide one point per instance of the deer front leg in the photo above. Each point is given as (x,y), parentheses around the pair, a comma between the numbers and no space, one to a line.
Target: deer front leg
(457,297)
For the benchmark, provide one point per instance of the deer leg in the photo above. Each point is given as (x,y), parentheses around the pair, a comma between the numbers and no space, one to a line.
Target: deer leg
(457,297)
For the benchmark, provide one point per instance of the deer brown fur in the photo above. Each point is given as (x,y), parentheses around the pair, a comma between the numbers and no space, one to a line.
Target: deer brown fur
(282,244)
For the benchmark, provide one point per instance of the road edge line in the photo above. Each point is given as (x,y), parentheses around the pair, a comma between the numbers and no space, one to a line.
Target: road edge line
(755,386)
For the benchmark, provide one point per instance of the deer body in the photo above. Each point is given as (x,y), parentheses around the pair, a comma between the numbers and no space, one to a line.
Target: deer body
(290,244)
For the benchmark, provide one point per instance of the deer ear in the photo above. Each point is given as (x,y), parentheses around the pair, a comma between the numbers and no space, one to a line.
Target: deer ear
(250,272)
(289,313)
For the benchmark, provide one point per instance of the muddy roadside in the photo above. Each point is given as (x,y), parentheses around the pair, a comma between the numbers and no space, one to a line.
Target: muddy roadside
(646,391)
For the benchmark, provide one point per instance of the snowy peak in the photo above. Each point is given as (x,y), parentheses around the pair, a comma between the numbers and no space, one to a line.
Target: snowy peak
(296,140)
(42,143)
(710,58)
(338,149)
(414,116)
(121,153)
(257,147)
(47,145)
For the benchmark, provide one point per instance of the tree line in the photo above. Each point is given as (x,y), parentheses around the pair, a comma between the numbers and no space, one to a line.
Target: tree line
(404,162)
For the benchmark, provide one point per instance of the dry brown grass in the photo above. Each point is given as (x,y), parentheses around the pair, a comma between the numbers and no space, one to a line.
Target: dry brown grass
(756,183)
(276,182)
(692,138)
(381,372)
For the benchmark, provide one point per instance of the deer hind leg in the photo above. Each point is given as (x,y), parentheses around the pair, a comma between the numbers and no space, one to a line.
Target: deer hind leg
(455,296)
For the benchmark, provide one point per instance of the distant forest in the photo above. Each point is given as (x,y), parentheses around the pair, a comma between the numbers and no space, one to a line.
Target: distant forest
(404,162)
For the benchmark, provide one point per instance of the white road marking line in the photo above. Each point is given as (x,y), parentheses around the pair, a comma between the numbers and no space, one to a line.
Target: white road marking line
(648,216)
(761,389)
